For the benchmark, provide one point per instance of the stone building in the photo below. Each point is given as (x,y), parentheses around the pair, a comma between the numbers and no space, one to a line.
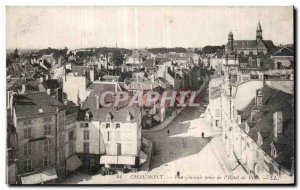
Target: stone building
(40,124)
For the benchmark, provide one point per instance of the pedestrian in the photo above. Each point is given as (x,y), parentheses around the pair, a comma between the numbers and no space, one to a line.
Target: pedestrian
(178,174)
(168,132)
(202,134)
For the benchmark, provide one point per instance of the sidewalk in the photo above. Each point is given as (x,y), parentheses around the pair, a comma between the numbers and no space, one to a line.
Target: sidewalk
(148,150)
(219,150)
(168,120)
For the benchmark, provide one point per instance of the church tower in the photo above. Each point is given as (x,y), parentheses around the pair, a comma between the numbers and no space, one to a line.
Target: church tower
(230,42)
(258,32)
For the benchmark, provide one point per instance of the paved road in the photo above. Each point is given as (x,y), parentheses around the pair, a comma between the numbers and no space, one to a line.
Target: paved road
(184,149)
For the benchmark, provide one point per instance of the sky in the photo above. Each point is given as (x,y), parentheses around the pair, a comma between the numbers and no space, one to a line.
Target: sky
(142,27)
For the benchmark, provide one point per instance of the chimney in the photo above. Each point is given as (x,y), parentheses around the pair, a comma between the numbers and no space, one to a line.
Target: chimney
(92,75)
(277,123)
(258,99)
(97,102)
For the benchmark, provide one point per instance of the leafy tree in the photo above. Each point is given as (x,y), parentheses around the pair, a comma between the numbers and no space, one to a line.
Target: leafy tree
(117,58)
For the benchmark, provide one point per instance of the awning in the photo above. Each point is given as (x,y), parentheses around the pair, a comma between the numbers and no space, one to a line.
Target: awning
(125,160)
(37,178)
(108,160)
(143,157)
(73,163)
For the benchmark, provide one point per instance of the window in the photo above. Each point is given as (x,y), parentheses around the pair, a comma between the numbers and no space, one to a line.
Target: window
(47,129)
(84,125)
(107,125)
(118,125)
(27,122)
(27,165)
(47,145)
(86,147)
(86,135)
(47,119)
(60,156)
(71,148)
(217,123)
(60,140)
(27,133)
(47,160)
(71,135)
(27,149)
(217,112)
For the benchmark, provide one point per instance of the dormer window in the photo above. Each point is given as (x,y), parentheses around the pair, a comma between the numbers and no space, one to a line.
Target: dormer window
(247,128)
(129,116)
(273,150)
(259,139)
(109,116)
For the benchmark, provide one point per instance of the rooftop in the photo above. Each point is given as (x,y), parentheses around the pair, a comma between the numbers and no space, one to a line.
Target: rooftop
(37,103)
(274,101)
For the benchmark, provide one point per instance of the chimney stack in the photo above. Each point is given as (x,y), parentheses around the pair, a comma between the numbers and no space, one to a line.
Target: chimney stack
(258,99)
(92,75)
(277,122)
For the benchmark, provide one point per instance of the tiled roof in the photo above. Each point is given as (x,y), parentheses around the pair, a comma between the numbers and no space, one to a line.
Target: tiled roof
(80,70)
(284,52)
(51,84)
(37,103)
(100,114)
(161,61)
(16,85)
(251,44)
(149,63)
(244,44)
(274,101)
(269,44)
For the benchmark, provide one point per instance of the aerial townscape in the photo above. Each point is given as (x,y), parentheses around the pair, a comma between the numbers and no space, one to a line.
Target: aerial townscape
(59,132)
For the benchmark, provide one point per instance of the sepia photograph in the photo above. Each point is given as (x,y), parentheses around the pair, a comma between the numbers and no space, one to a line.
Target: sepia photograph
(158,95)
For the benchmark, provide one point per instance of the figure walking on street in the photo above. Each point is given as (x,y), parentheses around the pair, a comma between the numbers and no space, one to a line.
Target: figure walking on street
(202,134)
(178,174)
(168,132)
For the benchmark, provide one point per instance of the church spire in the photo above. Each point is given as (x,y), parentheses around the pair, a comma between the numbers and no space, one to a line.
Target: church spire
(259,26)
(258,32)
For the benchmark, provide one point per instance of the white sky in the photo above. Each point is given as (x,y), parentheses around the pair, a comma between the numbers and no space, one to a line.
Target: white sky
(140,27)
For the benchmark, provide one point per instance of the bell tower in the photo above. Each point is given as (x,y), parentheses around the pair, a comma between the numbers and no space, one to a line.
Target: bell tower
(230,42)
(258,32)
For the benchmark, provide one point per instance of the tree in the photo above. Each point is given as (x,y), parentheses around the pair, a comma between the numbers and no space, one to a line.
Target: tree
(117,58)
(16,54)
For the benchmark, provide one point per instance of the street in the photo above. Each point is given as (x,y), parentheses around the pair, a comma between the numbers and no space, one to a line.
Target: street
(184,149)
